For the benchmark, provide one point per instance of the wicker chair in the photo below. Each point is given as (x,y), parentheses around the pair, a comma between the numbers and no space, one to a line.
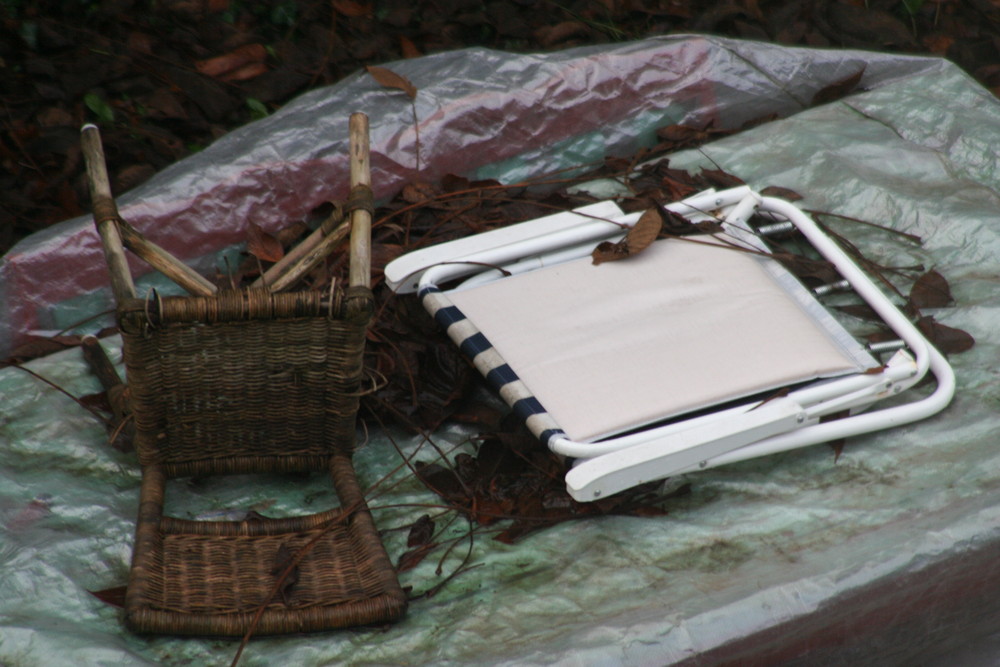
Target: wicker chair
(237,382)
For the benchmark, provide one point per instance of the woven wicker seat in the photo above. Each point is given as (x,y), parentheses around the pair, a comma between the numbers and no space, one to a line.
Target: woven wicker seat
(251,382)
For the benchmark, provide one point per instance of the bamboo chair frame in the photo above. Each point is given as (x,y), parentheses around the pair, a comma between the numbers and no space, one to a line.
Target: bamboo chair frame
(252,381)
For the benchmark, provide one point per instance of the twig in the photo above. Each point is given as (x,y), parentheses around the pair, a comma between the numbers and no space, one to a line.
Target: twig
(416,130)
(425,438)
(444,196)
(85,320)
(293,563)
(906,235)
(106,214)
(464,567)
(284,265)
(52,384)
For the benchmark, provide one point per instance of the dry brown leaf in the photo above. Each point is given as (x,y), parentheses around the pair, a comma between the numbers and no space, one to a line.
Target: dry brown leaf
(283,568)
(721,179)
(383,253)
(133,175)
(938,43)
(421,531)
(245,73)
(39,347)
(639,237)
(55,117)
(162,103)
(931,290)
(948,340)
(262,245)
(862,311)
(351,8)
(414,193)
(820,270)
(288,235)
(112,596)
(644,231)
(140,42)
(682,135)
(783,193)
(408,48)
(389,79)
(606,251)
(676,224)
(553,34)
(838,89)
(410,559)
(234,60)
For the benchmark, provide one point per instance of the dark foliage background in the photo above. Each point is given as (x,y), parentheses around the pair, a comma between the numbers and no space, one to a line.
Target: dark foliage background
(166,78)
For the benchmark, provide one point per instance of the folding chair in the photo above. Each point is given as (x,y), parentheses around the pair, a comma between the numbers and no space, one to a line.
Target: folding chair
(248,382)
(696,352)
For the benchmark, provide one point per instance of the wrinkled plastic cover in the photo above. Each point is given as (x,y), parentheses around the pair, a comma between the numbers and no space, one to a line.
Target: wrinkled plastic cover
(884,556)
(479,112)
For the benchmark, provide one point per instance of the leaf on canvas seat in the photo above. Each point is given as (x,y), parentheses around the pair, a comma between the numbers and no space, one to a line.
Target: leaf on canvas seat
(639,237)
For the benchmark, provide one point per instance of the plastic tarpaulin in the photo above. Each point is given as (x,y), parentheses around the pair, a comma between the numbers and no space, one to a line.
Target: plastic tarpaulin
(480,113)
(886,555)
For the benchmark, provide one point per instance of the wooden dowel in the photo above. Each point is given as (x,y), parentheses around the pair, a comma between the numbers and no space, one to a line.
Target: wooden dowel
(287,264)
(100,364)
(310,252)
(163,261)
(308,261)
(102,367)
(106,213)
(361,220)
(116,234)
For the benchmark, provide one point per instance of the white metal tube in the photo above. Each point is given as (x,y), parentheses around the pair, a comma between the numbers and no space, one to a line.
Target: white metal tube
(591,230)
(476,262)
(851,426)
(852,388)
(860,282)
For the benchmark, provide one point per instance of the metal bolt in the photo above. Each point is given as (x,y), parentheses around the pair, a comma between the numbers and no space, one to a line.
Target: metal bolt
(829,288)
(775,228)
(886,346)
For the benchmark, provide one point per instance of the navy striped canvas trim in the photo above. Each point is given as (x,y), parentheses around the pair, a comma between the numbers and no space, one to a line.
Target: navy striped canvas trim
(447,316)
(428,289)
(548,434)
(501,375)
(497,372)
(526,407)
(475,344)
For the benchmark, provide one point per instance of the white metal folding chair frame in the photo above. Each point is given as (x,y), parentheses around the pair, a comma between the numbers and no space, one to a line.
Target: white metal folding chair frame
(725,436)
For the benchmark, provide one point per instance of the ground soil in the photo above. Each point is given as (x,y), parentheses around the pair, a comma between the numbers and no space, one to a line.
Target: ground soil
(166,78)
